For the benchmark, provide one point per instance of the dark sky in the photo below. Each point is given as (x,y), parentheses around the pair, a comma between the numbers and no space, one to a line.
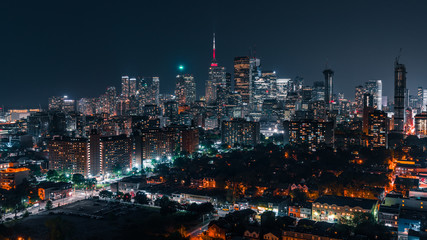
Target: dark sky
(79,48)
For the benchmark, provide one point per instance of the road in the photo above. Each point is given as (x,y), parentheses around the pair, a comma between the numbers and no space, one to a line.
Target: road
(77,196)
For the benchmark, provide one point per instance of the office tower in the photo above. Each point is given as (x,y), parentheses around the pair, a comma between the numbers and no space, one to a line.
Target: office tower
(421,125)
(242,77)
(216,79)
(282,88)
(170,109)
(318,91)
(61,104)
(377,129)
(264,88)
(228,83)
(132,87)
(110,100)
(185,90)
(399,96)
(358,97)
(125,86)
(55,103)
(241,132)
(148,91)
(329,74)
(420,98)
(375,88)
(254,75)
(424,107)
(68,155)
(310,133)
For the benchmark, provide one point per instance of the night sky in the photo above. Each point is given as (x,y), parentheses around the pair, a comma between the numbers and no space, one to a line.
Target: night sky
(80,48)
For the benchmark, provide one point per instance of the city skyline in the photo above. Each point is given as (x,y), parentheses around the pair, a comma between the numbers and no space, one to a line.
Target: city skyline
(65,60)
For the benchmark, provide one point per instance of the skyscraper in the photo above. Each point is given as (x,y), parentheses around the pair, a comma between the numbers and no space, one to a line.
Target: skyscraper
(358,97)
(185,90)
(242,77)
(125,86)
(329,74)
(217,78)
(399,96)
(375,88)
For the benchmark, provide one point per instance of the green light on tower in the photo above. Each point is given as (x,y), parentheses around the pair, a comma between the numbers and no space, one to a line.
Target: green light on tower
(181,67)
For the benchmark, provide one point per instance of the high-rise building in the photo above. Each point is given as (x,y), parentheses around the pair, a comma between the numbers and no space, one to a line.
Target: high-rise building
(421,124)
(62,104)
(329,75)
(217,79)
(115,154)
(185,90)
(241,132)
(399,96)
(125,86)
(375,88)
(242,77)
(158,143)
(377,129)
(282,88)
(309,133)
(68,155)
(264,88)
(358,97)
(420,98)
(318,91)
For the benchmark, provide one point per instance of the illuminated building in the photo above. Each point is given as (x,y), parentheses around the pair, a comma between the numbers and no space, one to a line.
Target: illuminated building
(185,90)
(318,91)
(68,155)
(94,153)
(375,88)
(18,114)
(328,74)
(331,208)
(377,129)
(171,112)
(115,152)
(189,140)
(61,104)
(358,98)
(54,190)
(264,88)
(216,79)
(399,96)
(158,143)
(282,88)
(128,87)
(310,133)
(241,132)
(11,177)
(242,77)
(421,125)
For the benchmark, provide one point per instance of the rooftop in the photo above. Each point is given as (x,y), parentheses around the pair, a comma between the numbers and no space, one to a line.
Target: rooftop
(346,201)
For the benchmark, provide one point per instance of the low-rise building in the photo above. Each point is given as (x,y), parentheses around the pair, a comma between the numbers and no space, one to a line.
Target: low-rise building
(330,208)
(11,177)
(53,190)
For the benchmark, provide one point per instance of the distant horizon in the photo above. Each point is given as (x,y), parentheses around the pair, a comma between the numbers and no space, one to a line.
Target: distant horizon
(65,49)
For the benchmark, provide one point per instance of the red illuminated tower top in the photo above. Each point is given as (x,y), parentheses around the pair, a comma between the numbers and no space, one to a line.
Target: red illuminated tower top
(214,63)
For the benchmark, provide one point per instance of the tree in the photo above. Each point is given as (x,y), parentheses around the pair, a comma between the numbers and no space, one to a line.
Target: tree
(166,206)
(52,175)
(49,205)
(78,179)
(105,194)
(141,198)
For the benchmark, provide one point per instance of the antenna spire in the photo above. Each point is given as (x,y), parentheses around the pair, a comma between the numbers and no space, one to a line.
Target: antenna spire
(213,64)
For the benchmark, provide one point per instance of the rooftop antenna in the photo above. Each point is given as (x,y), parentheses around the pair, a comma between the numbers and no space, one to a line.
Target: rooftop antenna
(326,63)
(398,56)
